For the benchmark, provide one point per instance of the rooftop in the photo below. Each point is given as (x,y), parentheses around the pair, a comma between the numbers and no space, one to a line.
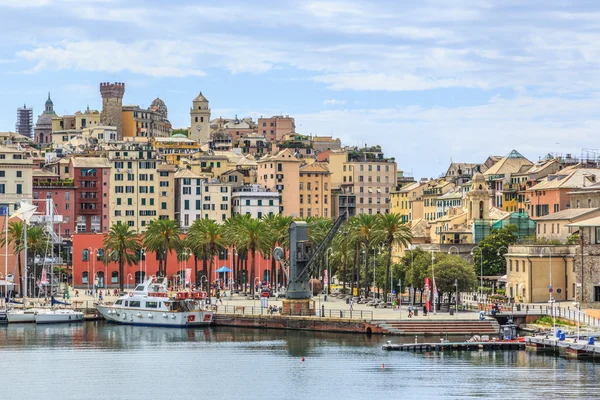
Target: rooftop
(569,214)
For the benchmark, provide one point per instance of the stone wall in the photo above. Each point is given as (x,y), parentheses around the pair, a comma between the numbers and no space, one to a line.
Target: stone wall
(112,106)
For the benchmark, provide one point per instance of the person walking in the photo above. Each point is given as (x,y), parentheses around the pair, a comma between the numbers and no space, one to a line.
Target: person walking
(410,310)
(351,304)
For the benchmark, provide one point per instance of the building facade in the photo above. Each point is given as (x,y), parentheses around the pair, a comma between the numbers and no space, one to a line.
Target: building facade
(200,120)
(112,106)
(315,190)
(255,201)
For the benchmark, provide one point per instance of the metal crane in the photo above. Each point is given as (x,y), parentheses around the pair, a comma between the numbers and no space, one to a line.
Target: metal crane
(303,257)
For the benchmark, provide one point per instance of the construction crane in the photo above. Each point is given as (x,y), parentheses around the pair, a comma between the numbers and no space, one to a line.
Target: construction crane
(304,256)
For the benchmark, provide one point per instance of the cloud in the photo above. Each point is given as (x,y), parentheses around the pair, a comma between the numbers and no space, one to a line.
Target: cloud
(334,102)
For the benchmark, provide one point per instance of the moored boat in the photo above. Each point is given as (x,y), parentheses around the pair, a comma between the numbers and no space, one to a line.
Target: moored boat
(19,316)
(56,316)
(149,304)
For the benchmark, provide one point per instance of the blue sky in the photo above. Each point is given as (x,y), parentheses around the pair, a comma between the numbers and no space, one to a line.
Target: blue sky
(431,81)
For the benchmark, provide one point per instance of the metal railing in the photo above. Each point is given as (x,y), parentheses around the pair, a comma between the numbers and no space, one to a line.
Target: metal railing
(322,313)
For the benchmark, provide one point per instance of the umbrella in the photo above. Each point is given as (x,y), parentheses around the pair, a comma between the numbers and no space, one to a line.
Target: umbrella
(223,269)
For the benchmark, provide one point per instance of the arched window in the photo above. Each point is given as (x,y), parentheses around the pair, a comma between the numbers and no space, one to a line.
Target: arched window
(114,277)
(196,119)
(85,255)
(100,254)
(85,277)
(481,210)
(480,187)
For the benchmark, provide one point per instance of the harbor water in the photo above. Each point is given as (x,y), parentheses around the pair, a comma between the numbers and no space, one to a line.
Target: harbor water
(97,360)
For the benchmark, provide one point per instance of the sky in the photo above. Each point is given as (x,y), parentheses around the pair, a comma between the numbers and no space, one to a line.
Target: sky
(430,81)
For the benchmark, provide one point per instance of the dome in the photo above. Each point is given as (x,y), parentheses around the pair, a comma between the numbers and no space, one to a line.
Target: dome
(159,106)
(44,119)
(179,135)
(49,106)
(478,177)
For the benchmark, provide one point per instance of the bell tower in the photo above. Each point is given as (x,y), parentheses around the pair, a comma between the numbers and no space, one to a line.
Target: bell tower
(478,199)
(200,120)
(112,106)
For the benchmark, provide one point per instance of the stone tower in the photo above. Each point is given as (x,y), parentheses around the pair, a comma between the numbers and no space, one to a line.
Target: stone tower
(112,106)
(478,199)
(200,120)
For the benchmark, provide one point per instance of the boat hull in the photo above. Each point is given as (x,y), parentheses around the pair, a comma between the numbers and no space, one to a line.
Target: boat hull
(58,317)
(20,317)
(155,318)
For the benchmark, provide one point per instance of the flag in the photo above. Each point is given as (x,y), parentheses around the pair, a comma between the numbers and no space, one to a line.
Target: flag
(435,291)
(188,276)
(325,278)
(44,280)
(67,295)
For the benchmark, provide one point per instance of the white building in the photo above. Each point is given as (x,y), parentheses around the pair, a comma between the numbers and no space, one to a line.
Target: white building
(189,194)
(255,201)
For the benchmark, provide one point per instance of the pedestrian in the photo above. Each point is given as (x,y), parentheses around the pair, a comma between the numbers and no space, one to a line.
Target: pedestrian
(394,304)
(77,293)
(424,310)
(351,304)
(410,310)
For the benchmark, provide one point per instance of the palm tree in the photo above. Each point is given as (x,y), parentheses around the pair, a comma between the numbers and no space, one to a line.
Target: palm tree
(121,245)
(390,229)
(15,239)
(362,232)
(207,235)
(162,237)
(250,235)
(37,244)
(278,236)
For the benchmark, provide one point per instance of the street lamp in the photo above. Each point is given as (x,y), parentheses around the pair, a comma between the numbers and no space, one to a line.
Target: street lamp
(576,305)
(551,299)
(433,278)
(453,247)
(481,272)
(142,253)
(129,277)
(328,291)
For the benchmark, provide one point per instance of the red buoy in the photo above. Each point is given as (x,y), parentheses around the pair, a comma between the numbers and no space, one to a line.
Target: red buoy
(302,359)
(382,366)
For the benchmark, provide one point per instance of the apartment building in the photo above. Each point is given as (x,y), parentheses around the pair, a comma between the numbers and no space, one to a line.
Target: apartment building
(276,127)
(188,198)
(254,200)
(315,190)
(91,176)
(281,172)
(216,200)
(16,174)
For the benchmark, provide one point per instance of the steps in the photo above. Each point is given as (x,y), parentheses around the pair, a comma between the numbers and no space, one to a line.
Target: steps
(438,327)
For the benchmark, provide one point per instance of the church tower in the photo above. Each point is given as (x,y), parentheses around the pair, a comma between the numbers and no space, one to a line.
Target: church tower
(200,120)
(112,106)
(478,199)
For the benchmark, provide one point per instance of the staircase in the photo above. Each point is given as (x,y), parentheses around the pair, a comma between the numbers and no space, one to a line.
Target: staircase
(438,327)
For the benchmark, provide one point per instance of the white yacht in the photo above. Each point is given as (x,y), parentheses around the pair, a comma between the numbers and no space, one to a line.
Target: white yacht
(20,316)
(149,304)
(58,315)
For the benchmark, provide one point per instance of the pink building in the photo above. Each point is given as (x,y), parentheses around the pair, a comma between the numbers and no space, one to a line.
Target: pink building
(276,127)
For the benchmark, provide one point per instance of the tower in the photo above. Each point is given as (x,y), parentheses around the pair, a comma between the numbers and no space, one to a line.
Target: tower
(43,126)
(478,199)
(112,106)
(200,120)
(24,124)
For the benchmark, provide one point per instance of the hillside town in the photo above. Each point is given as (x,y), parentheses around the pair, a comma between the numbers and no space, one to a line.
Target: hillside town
(126,165)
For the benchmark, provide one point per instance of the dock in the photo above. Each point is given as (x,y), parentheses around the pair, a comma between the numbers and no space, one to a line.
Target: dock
(571,347)
(455,346)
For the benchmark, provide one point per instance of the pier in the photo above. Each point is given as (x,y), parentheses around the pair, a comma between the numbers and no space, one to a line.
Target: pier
(455,346)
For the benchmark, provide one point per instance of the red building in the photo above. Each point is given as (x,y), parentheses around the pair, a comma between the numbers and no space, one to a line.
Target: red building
(62,192)
(91,176)
(89,268)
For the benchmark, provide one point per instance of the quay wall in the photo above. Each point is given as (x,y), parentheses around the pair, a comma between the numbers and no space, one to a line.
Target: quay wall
(297,323)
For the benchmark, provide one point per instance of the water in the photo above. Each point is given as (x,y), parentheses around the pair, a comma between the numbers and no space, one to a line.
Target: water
(97,360)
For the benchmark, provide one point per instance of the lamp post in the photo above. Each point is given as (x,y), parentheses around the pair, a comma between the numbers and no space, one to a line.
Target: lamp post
(453,247)
(433,278)
(551,299)
(498,254)
(88,270)
(364,252)
(456,297)
(327,290)
(129,276)
(481,271)
(141,258)
(576,305)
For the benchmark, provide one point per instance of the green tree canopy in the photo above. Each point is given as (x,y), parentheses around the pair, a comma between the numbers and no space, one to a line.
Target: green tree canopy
(493,249)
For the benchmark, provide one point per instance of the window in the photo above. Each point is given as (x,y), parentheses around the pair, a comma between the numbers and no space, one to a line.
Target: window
(301,185)
(114,277)
(186,204)
(151,304)
(163,206)
(85,277)
(597,235)
(198,204)
(19,188)
(19,174)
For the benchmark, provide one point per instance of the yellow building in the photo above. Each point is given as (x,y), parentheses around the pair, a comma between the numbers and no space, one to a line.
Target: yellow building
(141,189)
(174,148)
(16,175)
(79,121)
(399,200)
(315,190)
(281,172)
(430,198)
(216,200)
(528,273)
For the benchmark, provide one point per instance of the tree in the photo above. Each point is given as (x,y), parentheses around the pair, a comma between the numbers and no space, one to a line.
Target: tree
(451,268)
(207,235)
(15,239)
(493,249)
(390,229)
(163,237)
(362,232)
(250,235)
(278,236)
(122,245)
(417,264)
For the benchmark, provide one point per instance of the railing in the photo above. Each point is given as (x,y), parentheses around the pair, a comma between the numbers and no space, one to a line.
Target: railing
(322,313)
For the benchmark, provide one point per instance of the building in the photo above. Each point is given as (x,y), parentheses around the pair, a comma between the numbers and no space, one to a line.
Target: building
(555,226)
(587,269)
(172,149)
(138,186)
(16,175)
(399,200)
(100,134)
(188,198)
(551,195)
(24,125)
(459,173)
(149,123)
(585,197)
(92,179)
(436,189)
(112,106)
(200,120)
(216,200)
(276,127)
(500,173)
(236,128)
(531,270)
(281,173)
(43,125)
(255,201)
(342,202)
(62,192)
(324,143)
(315,190)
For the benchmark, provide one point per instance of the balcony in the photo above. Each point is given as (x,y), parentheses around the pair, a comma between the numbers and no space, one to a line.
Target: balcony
(544,250)
(53,183)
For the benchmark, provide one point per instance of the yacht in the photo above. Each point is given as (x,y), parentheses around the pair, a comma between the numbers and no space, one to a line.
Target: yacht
(150,304)
(58,315)
(20,316)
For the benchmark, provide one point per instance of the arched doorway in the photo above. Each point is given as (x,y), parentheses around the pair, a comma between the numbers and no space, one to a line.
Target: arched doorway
(100,276)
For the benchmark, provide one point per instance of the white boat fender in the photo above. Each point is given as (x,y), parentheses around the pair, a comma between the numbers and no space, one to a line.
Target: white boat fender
(172,316)
(150,316)
(139,315)
(164,315)
(131,319)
